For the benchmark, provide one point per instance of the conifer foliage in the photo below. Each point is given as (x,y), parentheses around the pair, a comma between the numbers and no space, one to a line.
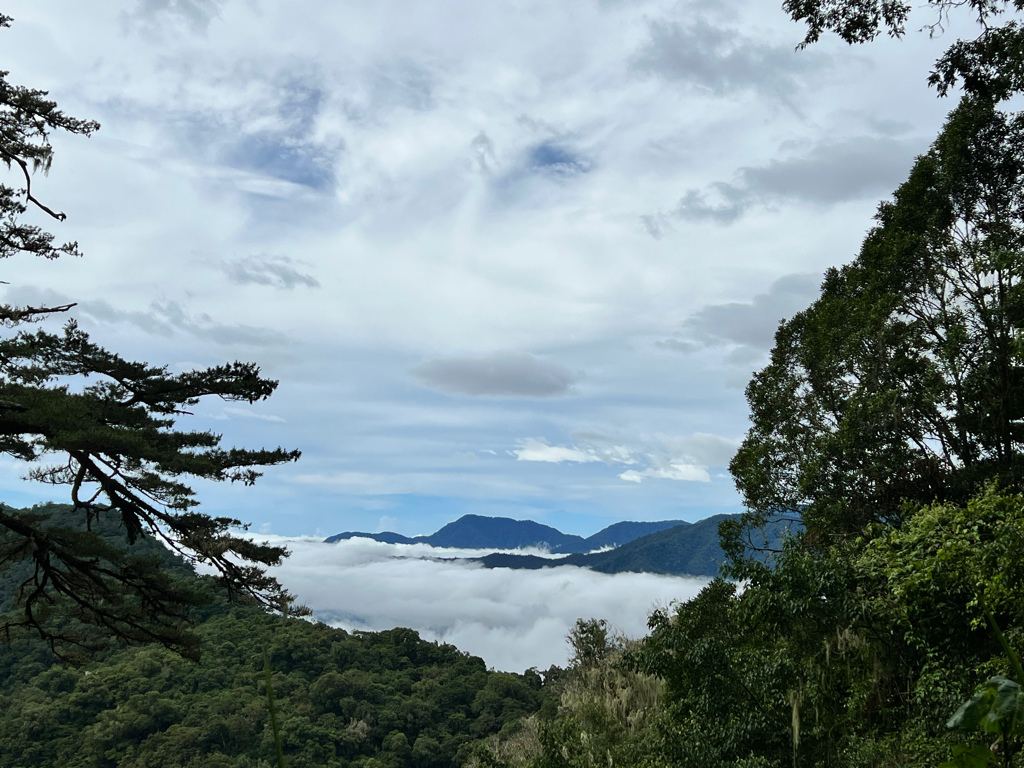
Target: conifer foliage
(106,427)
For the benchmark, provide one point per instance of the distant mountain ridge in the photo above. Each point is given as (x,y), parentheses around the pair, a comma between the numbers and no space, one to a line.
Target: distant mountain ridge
(480,532)
(670,547)
(683,550)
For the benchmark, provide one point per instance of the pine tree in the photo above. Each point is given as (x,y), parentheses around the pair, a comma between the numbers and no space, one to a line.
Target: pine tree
(108,428)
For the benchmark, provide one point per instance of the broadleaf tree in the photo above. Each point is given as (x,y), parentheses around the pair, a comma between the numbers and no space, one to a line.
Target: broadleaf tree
(106,427)
(991,64)
(904,381)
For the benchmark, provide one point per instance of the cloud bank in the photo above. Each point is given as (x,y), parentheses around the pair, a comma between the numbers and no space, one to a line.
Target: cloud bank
(512,619)
(683,459)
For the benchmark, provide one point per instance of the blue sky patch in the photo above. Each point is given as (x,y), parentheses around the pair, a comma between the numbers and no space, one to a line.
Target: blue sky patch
(549,157)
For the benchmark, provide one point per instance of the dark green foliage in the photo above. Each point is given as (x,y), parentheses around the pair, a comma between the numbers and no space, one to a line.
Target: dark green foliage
(96,614)
(340,698)
(590,641)
(122,458)
(852,655)
(848,655)
(605,710)
(903,381)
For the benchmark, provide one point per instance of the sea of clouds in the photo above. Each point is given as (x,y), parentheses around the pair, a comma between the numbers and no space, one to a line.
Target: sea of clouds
(513,619)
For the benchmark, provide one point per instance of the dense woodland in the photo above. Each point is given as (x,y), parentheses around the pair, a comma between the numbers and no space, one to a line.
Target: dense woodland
(362,699)
(886,631)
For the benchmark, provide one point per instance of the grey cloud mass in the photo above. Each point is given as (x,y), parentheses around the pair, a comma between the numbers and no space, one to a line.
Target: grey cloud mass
(721,60)
(276,271)
(515,374)
(748,325)
(830,173)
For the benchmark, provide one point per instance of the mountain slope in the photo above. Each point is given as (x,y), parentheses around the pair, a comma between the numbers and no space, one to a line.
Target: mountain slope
(386,536)
(682,550)
(478,532)
(622,533)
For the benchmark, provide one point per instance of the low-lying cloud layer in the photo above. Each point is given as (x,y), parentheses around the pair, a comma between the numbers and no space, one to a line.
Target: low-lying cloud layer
(512,619)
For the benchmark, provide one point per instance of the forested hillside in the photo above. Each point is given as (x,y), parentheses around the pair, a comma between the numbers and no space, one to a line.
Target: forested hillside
(680,550)
(363,699)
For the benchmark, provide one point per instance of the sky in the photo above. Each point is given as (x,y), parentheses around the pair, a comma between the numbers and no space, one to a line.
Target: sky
(512,259)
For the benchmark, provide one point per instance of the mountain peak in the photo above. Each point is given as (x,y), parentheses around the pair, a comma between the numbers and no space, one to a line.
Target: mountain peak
(482,532)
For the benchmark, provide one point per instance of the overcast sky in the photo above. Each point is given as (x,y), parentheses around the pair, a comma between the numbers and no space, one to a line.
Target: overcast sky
(512,258)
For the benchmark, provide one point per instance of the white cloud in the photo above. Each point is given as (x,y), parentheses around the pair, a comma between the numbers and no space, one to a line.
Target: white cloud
(669,458)
(685,472)
(243,413)
(537,450)
(513,619)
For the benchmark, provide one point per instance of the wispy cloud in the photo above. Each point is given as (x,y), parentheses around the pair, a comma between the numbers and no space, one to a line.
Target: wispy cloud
(684,459)
(165,318)
(151,15)
(686,472)
(275,271)
(162,318)
(538,450)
